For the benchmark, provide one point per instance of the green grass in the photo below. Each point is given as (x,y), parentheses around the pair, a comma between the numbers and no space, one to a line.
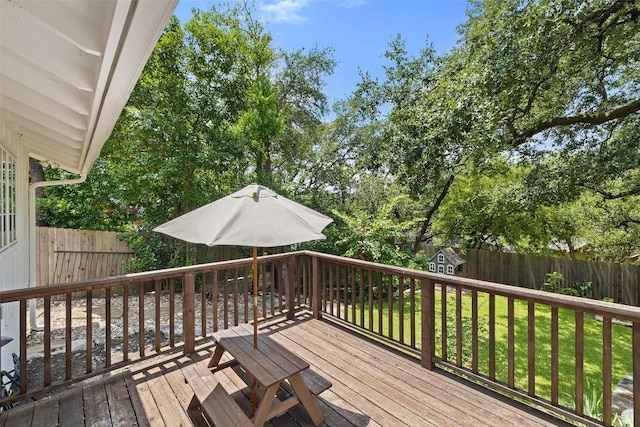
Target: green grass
(621,343)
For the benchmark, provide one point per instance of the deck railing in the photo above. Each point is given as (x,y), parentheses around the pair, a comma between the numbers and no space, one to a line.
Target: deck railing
(546,349)
(528,344)
(159,311)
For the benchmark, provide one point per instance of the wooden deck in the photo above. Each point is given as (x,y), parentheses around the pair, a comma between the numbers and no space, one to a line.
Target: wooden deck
(371,386)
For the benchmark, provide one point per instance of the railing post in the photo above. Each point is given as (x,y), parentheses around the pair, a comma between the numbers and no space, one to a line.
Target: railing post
(289,286)
(315,288)
(428,322)
(189,314)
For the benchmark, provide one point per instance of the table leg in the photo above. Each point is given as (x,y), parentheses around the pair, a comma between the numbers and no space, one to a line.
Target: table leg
(265,405)
(217,355)
(306,398)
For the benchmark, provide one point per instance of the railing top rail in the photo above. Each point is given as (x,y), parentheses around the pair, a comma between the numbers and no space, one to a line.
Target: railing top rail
(619,311)
(147,276)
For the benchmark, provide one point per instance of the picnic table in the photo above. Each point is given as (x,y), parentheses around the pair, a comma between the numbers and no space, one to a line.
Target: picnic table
(271,365)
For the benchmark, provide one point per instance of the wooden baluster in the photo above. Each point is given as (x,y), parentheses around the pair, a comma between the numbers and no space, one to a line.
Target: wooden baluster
(338,287)
(107,326)
(214,301)
(172,312)
(370,283)
(510,343)
(203,304)
(262,285)
(315,286)
(412,314)
(125,322)
(636,372)
(245,286)
(443,320)
(189,315)
(225,299)
(531,348)
(606,370)
(554,355)
(347,289)
(47,341)
(141,337)
(156,289)
(459,325)
(23,346)
(290,287)
(380,302)
(272,279)
(492,336)
(89,337)
(362,298)
(401,309)
(236,298)
(331,286)
(579,355)
(474,331)
(390,304)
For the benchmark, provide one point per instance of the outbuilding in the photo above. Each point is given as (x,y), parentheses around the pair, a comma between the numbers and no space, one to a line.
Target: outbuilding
(446,261)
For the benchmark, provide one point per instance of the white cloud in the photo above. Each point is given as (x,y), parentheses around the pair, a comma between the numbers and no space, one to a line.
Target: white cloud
(352,3)
(283,10)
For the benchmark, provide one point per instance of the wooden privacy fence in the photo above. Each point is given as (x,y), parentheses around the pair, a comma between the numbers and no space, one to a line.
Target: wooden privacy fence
(618,281)
(66,255)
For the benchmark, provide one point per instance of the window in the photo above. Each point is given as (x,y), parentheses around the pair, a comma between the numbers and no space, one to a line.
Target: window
(440,258)
(449,269)
(441,269)
(432,266)
(7,198)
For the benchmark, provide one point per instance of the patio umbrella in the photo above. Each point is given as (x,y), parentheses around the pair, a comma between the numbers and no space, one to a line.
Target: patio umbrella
(254,216)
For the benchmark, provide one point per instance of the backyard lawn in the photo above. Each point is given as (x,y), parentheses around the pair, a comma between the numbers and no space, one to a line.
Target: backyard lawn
(621,343)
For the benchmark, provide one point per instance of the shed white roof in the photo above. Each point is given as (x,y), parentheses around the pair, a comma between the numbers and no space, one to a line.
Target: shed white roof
(67,69)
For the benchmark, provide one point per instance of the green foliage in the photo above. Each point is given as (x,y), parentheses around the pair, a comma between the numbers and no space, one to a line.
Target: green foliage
(379,237)
(525,135)
(552,282)
(217,106)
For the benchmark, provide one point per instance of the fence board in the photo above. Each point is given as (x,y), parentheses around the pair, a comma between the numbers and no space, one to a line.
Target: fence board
(613,280)
(65,255)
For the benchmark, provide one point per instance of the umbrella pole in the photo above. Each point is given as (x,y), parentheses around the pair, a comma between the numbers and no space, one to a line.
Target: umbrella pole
(255,297)
(255,321)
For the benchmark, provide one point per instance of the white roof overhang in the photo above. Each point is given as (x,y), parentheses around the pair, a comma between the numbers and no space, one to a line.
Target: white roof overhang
(67,69)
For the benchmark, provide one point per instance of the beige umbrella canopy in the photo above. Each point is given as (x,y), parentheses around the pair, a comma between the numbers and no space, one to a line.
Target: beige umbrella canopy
(254,216)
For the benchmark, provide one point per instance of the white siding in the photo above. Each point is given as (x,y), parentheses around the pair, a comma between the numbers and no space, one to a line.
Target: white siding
(14,258)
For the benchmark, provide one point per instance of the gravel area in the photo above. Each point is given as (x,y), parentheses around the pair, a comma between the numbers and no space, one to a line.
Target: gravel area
(35,340)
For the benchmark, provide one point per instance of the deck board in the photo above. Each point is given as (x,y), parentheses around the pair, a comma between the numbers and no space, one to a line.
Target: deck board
(71,408)
(96,399)
(371,386)
(46,413)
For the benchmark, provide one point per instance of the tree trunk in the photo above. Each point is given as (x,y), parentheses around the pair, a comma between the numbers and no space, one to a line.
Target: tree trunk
(436,205)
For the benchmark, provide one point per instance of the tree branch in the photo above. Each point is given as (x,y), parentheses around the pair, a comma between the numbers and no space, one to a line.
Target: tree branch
(596,118)
(612,196)
(436,205)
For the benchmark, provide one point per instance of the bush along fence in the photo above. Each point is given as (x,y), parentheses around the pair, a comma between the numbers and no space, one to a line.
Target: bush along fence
(593,279)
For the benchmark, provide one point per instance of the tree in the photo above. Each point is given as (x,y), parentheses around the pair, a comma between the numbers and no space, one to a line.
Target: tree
(207,116)
(379,237)
(525,76)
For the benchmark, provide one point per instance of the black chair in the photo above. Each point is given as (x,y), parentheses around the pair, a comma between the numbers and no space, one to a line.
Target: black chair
(10,382)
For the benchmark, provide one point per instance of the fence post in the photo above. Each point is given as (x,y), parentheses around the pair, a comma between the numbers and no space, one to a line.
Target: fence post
(189,315)
(315,288)
(428,322)
(289,286)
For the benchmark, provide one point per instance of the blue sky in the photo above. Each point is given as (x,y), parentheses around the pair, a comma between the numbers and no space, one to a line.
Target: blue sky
(358,30)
